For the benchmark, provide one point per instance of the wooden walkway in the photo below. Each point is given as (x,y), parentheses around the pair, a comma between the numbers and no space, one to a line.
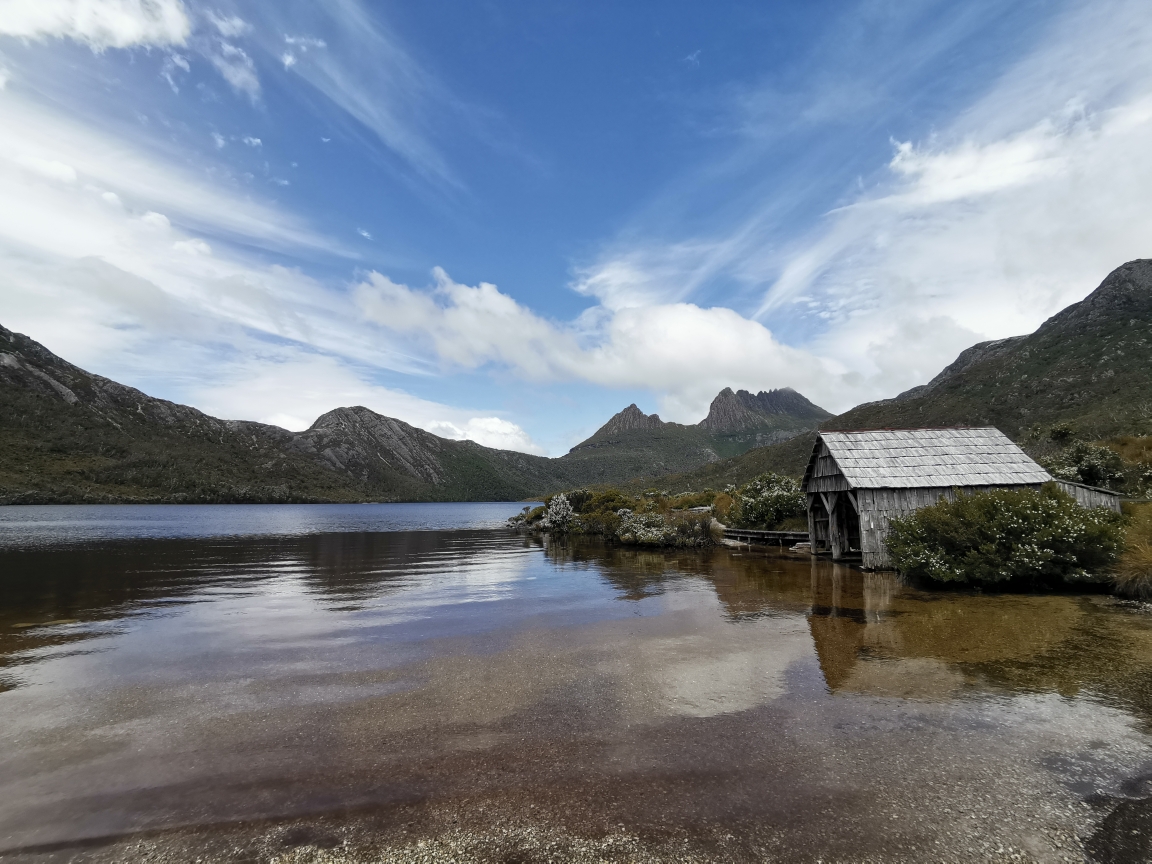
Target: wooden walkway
(766,538)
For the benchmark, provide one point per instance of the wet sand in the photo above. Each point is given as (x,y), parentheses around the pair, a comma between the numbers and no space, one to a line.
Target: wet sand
(478,696)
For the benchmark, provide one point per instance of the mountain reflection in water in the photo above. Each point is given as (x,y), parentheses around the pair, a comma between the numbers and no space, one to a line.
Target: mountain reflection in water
(391,683)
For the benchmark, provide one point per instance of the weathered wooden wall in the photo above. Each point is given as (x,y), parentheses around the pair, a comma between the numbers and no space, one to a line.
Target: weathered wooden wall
(878,507)
(826,475)
(1090,496)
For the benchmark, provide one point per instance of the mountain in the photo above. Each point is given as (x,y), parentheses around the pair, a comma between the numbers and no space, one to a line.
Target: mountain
(70,436)
(67,435)
(633,444)
(742,411)
(1089,365)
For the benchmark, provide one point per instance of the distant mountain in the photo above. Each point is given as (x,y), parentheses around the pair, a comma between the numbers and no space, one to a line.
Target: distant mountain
(742,411)
(633,444)
(67,435)
(1089,365)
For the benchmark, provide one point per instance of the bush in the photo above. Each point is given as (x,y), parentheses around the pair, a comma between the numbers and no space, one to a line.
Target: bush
(1031,538)
(656,529)
(1089,464)
(766,500)
(558,515)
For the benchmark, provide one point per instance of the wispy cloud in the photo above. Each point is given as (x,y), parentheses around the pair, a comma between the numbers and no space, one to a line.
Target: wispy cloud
(100,24)
(1019,205)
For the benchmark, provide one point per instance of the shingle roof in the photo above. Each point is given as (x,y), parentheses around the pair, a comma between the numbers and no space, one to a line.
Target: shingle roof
(907,458)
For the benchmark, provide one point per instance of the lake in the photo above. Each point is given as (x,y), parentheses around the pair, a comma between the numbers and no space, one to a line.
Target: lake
(418,683)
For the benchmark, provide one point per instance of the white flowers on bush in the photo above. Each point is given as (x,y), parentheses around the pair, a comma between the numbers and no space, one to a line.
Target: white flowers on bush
(767,500)
(558,515)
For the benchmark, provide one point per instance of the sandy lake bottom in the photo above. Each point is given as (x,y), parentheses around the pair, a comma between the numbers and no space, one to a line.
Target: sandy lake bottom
(473,694)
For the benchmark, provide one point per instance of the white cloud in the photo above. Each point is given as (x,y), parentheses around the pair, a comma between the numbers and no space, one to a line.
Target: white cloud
(50,168)
(684,352)
(291,387)
(218,140)
(100,24)
(156,220)
(983,230)
(33,138)
(393,96)
(489,431)
(252,142)
(5,76)
(238,69)
(194,246)
(363,233)
(228,26)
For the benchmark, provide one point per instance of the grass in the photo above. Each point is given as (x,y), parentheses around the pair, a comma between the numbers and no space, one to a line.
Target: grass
(1133,573)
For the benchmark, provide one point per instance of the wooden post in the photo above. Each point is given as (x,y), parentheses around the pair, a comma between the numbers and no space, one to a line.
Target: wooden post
(834,538)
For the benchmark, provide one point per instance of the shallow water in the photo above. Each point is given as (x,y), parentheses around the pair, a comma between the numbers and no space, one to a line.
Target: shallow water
(245,697)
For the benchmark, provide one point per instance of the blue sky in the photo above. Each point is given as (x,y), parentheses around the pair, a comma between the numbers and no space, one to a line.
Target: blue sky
(508,220)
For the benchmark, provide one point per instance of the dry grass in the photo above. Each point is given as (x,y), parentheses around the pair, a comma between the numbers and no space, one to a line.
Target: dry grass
(1134,569)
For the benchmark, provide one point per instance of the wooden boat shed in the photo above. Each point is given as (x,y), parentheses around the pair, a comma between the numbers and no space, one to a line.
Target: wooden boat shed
(857,481)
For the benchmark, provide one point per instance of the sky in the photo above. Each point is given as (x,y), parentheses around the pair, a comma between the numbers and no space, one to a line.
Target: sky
(507,220)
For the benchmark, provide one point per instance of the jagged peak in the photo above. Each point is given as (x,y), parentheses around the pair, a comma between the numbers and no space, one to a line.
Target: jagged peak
(733,411)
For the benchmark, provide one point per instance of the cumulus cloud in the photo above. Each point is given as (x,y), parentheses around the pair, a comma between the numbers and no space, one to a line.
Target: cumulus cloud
(682,351)
(489,431)
(101,24)
(252,142)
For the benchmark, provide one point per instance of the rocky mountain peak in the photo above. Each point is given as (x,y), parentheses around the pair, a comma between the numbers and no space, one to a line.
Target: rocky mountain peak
(736,411)
(628,419)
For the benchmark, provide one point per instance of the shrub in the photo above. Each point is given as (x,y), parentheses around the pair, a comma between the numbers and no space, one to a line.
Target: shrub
(1088,463)
(722,506)
(766,500)
(655,529)
(1133,576)
(1027,537)
(558,515)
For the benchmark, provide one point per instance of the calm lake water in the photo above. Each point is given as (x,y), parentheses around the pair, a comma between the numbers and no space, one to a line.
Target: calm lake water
(306,684)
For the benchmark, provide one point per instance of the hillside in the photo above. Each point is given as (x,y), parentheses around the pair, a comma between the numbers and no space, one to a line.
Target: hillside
(1089,365)
(67,435)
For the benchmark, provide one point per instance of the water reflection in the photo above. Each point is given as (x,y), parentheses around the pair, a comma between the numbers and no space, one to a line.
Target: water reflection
(241,679)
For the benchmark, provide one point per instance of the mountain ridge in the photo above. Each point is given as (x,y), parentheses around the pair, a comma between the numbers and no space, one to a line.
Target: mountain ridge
(67,435)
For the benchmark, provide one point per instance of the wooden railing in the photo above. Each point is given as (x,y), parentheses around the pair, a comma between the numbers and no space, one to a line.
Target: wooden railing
(766,538)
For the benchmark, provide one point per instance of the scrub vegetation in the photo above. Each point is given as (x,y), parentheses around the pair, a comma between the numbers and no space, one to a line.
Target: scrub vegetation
(1013,538)
(1133,576)
(656,518)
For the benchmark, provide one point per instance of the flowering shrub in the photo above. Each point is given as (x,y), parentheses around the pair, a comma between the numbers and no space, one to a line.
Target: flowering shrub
(1037,538)
(558,515)
(1089,464)
(766,500)
(654,529)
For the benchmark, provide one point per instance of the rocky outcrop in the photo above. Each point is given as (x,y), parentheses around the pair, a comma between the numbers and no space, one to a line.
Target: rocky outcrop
(740,411)
(628,420)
